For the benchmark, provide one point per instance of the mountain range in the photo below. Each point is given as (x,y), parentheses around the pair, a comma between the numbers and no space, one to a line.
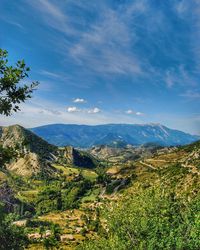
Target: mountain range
(114,135)
(47,185)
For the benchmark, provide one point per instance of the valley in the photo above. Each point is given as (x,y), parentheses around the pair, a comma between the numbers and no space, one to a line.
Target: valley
(99,125)
(61,196)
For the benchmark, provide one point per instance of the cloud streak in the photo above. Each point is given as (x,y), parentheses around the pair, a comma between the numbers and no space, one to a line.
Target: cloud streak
(53,15)
(105,48)
(132,112)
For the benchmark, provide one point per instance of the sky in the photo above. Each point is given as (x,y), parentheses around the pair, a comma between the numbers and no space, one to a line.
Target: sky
(108,61)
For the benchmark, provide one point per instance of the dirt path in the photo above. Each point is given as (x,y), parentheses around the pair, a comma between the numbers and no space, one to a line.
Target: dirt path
(147,165)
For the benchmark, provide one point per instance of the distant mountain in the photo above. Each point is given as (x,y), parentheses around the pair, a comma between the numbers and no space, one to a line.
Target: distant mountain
(118,135)
(127,153)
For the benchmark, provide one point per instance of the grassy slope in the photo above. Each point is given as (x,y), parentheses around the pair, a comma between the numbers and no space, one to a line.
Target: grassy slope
(167,170)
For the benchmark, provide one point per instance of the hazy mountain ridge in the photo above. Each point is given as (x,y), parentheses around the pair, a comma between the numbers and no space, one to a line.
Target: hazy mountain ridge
(112,134)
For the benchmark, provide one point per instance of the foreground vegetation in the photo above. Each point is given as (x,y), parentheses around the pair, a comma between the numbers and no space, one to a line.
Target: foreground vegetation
(152,203)
(150,219)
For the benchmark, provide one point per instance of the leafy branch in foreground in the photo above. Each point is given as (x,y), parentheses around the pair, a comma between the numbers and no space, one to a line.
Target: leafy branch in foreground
(12,91)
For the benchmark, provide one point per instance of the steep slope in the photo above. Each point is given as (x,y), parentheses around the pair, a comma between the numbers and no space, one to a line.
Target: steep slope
(112,134)
(32,153)
(69,155)
(34,156)
(24,140)
(128,153)
(176,170)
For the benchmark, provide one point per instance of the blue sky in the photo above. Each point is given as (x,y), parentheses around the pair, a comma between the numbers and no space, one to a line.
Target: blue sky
(108,61)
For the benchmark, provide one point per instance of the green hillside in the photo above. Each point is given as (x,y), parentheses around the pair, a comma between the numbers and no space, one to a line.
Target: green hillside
(111,200)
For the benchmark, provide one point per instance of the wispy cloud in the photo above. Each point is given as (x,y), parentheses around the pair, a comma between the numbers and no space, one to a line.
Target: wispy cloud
(170,79)
(132,112)
(139,113)
(50,74)
(106,46)
(178,76)
(191,94)
(53,15)
(12,22)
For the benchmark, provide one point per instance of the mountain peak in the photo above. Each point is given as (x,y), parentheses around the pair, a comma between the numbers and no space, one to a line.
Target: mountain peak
(110,134)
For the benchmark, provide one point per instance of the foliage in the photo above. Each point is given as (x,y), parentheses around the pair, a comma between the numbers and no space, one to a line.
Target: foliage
(12,92)
(11,236)
(102,178)
(151,220)
(59,196)
(6,155)
(53,241)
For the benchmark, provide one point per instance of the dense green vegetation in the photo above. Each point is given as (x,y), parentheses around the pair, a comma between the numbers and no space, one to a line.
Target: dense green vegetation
(5,155)
(150,219)
(62,195)
(11,236)
(128,206)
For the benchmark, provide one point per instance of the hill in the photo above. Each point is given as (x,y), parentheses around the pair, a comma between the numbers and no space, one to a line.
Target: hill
(31,153)
(117,135)
(34,156)
(148,185)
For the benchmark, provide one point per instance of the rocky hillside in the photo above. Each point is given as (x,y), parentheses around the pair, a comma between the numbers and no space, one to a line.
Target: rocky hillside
(33,155)
(114,135)
(75,198)
(127,153)
(24,141)
(70,156)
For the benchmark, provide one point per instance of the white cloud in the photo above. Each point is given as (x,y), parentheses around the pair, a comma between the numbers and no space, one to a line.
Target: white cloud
(139,113)
(94,111)
(73,109)
(79,100)
(132,112)
(129,112)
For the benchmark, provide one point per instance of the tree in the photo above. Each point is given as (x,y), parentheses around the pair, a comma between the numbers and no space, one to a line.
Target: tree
(150,220)
(11,236)
(5,155)
(12,91)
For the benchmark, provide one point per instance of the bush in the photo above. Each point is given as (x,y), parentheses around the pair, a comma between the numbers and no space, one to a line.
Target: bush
(150,220)
(11,236)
